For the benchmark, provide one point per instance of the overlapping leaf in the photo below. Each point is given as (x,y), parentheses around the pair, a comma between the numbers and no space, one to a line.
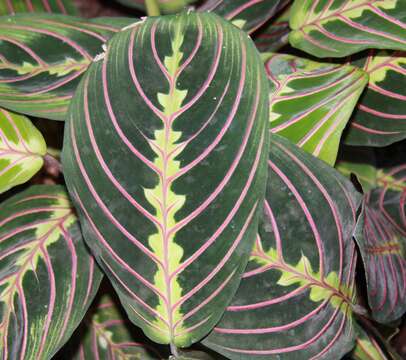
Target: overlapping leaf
(42,58)
(380,118)
(106,333)
(311,103)
(344,27)
(367,348)
(164,156)
(166,6)
(296,296)
(381,236)
(22,148)
(248,15)
(47,277)
(10,7)
(275,35)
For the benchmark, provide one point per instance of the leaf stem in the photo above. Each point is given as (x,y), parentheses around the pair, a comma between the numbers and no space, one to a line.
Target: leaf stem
(174,350)
(152,8)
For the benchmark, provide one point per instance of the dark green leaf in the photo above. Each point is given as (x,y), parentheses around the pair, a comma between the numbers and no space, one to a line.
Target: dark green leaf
(10,7)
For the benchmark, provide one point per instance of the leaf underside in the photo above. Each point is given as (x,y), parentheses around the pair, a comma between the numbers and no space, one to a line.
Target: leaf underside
(42,58)
(381,236)
(42,298)
(164,156)
(295,299)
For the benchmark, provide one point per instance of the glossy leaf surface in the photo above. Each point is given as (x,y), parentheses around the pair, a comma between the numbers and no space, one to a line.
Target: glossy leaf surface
(22,148)
(275,35)
(311,103)
(47,277)
(10,7)
(380,118)
(42,58)
(343,27)
(164,156)
(106,333)
(248,15)
(381,236)
(296,296)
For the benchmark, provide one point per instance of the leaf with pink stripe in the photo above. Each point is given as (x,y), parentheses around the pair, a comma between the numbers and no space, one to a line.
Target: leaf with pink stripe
(296,297)
(380,118)
(338,28)
(106,333)
(43,57)
(165,157)
(248,15)
(22,150)
(166,6)
(311,102)
(11,7)
(381,236)
(42,252)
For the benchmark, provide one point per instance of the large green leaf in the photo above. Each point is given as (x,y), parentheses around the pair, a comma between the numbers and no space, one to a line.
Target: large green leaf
(47,277)
(381,236)
(42,58)
(311,103)
(166,6)
(296,297)
(106,333)
(22,148)
(246,14)
(10,7)
(380,118)
(274,35)
(343,27)
(164,156)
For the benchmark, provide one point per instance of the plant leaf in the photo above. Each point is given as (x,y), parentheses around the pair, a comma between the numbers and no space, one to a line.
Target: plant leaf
(42,297)
(11,7)
(344,27)
(166,6)
(381,236)
(296,296)
(311,103)
(366,347)
(248,15)
(366,174)
(164,154)
(275,35)
(42,58)
(106,333)
(22,148)
(380,118)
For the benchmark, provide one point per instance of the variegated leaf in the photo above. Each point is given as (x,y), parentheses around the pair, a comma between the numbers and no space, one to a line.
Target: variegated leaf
(381,236)
(339,28)
(166,6)
(296,296)
(164,156)
(10,7)
(311,103)
(22,149)
(367,347)
(47,277)
(42,58)
(248,15)
(366,174)
(275,35)
(380,118)
(106,333)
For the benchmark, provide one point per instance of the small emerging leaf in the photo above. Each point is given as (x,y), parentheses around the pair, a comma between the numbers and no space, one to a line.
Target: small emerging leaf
(311,103)
(22,148)
(47,276)
(344,27)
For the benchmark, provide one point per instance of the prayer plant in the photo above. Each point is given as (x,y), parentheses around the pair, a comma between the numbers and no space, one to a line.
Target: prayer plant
(224,165)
